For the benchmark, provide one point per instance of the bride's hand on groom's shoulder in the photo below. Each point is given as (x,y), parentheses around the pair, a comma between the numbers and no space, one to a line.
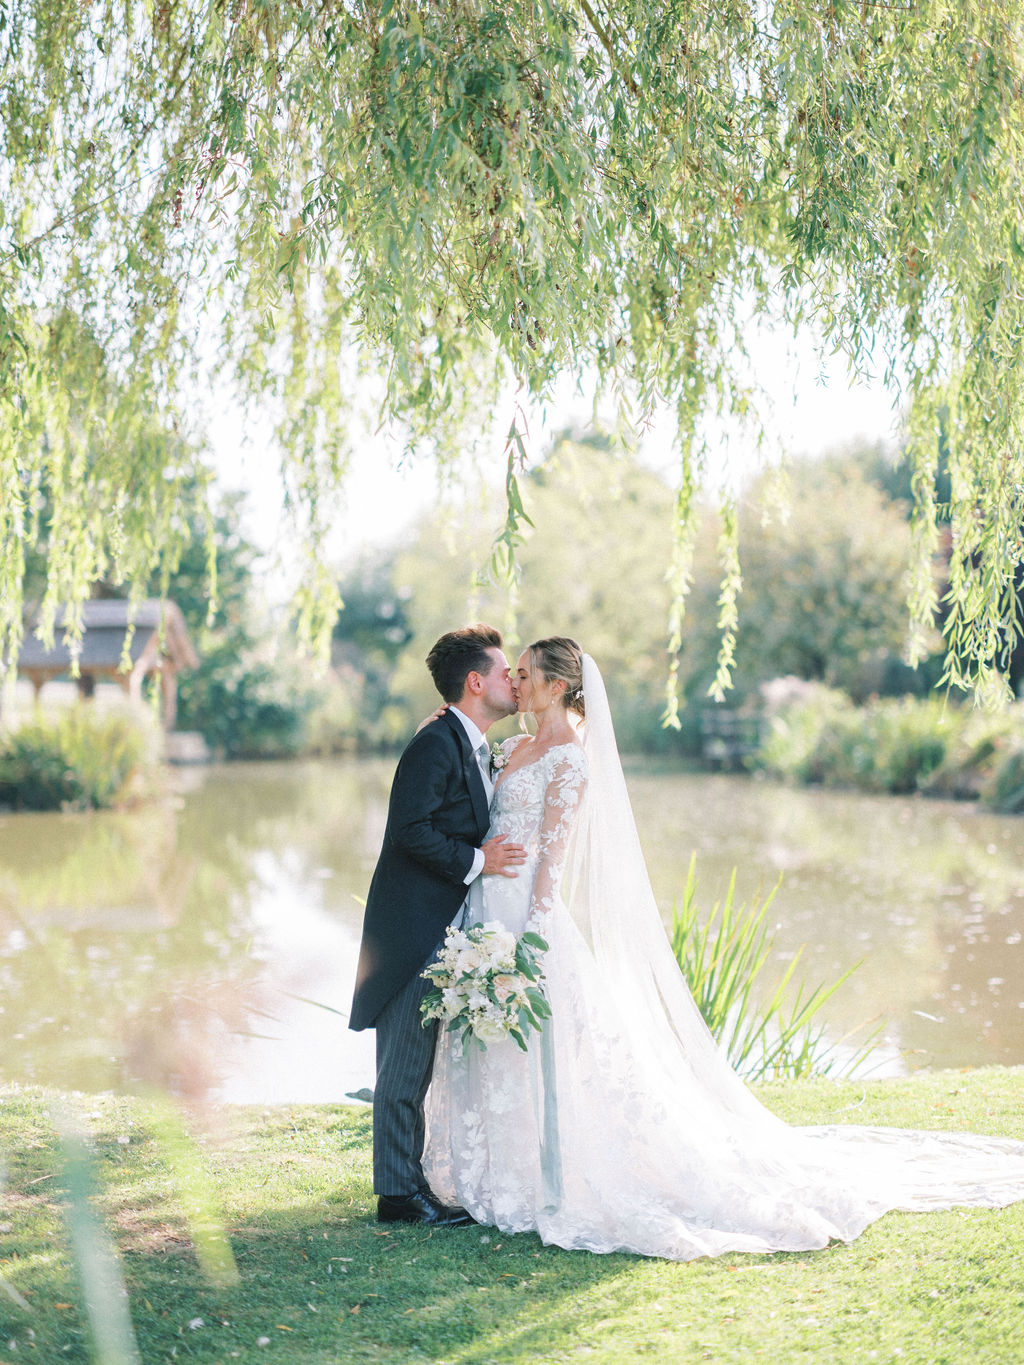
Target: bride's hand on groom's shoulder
(436,715)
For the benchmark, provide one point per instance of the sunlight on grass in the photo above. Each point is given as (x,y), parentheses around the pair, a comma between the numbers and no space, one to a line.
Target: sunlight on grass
(319,1282)
(98,1267)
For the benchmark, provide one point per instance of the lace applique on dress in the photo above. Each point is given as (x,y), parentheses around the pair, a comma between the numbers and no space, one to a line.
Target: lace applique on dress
(564,772)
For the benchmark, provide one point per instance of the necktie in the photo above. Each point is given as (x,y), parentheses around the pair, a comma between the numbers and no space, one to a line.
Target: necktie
(483,757)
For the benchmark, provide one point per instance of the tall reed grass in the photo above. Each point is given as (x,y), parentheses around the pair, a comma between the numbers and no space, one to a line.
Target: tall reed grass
(770,1036)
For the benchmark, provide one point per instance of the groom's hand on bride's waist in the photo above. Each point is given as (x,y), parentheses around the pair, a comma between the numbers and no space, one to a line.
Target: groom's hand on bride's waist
(502,858)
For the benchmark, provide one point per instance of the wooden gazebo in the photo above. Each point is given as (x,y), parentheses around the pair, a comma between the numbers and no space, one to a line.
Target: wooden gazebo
(160,645)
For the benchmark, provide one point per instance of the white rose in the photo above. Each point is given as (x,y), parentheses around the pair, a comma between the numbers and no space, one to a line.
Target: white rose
(488,1031)
(501,948)
(505,987)
(470,959)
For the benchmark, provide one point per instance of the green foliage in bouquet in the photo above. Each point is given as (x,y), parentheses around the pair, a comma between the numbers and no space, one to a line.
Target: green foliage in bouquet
(488,985)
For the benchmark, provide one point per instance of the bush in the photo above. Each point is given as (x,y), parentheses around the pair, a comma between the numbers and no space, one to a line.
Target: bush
(244,707)
(1004,791)
(914,744)
(344,719)
(886,746)
(72,760)
(985,740)
(793,743)
(899,744)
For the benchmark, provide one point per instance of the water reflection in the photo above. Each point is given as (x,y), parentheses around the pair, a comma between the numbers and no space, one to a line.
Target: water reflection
(181,945)
(929,896)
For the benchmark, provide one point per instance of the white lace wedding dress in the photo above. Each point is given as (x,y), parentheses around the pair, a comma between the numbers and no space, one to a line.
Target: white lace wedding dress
(623,1127)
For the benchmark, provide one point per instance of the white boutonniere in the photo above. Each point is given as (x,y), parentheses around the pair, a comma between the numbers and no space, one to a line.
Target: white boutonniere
(498,758)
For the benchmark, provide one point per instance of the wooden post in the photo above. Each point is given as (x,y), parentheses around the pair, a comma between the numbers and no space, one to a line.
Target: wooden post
(169,696)
(135,682)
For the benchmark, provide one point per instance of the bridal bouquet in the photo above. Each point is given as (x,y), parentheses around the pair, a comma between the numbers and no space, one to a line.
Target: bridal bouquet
(488,985)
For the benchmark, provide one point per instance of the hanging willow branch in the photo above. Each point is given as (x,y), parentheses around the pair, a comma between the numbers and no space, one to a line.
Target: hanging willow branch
(443,196)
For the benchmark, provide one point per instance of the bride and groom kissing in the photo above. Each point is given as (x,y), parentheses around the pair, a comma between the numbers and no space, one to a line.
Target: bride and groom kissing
(622,1127)
(434,848)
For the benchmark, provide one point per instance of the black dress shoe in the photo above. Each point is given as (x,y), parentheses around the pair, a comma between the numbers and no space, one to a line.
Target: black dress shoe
(421,1207)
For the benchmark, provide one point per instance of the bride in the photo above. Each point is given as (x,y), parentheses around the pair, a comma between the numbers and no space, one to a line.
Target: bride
(623,1127)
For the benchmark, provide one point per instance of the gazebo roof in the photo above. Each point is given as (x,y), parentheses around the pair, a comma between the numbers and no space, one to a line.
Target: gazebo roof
(105,624)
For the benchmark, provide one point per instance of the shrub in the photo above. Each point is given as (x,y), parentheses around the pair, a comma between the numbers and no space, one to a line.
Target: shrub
(792,746)
(350,714)
(901,743)
(245,707)
(1004,791)
(886,746)
(977,749)
(75,759)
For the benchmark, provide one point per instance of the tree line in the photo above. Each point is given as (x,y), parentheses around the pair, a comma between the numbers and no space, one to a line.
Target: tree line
(823,595)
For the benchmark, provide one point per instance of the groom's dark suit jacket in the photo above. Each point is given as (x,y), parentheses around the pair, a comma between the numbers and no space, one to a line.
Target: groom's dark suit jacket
(437,818)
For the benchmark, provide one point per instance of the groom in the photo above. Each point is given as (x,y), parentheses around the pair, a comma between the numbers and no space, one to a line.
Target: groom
(433,848)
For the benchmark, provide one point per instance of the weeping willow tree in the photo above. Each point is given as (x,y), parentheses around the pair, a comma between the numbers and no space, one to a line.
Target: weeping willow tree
(456,201)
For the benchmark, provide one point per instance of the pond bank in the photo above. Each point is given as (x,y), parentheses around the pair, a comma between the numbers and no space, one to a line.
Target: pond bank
(320,1282)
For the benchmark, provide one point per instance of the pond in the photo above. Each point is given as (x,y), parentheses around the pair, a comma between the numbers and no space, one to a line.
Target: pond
(207,943)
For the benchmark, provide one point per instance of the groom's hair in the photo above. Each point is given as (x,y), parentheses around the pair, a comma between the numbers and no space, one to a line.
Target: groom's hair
(460,653)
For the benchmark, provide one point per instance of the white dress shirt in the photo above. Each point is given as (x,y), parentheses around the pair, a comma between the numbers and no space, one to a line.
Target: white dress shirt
(476,738)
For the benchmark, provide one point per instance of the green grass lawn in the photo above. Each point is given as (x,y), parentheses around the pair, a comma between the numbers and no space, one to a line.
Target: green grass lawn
(321,1282)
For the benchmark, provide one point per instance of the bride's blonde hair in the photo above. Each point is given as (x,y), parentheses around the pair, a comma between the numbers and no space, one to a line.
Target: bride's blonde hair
(559,659)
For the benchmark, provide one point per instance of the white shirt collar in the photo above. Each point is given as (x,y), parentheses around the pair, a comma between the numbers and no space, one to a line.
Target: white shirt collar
(476,737)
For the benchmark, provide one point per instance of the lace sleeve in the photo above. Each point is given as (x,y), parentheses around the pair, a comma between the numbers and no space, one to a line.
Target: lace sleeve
(566,785)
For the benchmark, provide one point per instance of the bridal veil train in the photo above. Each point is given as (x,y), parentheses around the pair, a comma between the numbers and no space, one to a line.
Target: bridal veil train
(623,1127)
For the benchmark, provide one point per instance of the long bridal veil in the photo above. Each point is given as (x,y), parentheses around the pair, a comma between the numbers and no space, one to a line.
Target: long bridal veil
(608,892)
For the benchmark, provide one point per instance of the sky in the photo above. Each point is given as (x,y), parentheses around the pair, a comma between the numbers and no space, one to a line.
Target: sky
(815,407)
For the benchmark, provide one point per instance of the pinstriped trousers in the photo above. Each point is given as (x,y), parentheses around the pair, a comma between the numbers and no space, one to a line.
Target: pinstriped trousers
(405,1062)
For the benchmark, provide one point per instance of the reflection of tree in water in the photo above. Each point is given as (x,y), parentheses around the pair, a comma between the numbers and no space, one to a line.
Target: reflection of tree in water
(317,815)
(128,950)
(893,881)
(123,954)
(132,948)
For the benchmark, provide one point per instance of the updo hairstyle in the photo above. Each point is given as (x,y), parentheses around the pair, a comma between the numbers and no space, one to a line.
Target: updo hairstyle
(559,659)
